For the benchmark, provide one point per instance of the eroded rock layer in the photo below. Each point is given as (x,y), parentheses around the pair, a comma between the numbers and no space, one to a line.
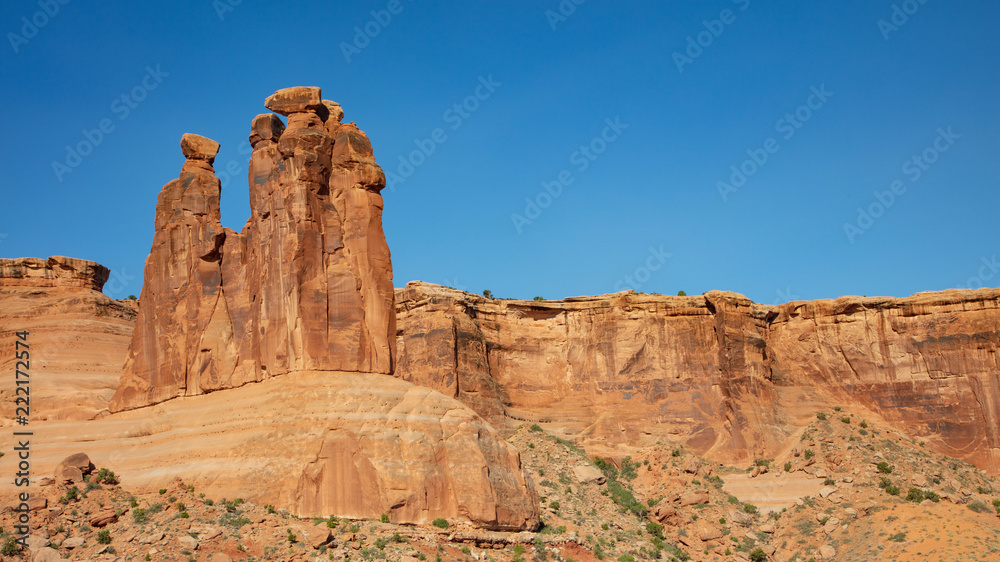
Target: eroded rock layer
(727,377)
(307,284)
(316,443)
(77,336)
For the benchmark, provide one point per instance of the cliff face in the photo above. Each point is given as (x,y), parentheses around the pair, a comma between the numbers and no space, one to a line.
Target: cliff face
(727,377)
(77,336)
(307,284)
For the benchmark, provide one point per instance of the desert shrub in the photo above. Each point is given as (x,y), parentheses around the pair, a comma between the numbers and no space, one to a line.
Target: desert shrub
(554,505)
(624,498)
(10,547)
(539,298)
(884,467)
(788,467)
(845,419)
(758,555)
(809,454)
(750,508)
(106,476)
(915,495)
(978,507)
(440,523)
(384,518)
(655,529)
(898,537)
(535,427)
(104,537)
(820,416)
(629,468)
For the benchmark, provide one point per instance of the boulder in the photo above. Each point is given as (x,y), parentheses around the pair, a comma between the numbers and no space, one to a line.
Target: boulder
(693,498)
(587,473)
(73,468)
(197,147)
(298,99)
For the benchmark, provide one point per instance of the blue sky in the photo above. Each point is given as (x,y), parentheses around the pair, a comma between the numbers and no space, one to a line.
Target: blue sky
(695,90)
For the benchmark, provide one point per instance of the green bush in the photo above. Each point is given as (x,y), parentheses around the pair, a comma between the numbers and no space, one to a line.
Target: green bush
(915,495)
(440,523)
(104,537)
(898,537)
(629,469)
(845,419)
(675,453)
(488,294)
(978,507)
(655,529)
(884,467)
(758,555)
(10,547)
(809,454)
(554,505)
(539,298)
(750,508)
(820,416)
(788,467)
(384,518)
(535,427)
(623,497)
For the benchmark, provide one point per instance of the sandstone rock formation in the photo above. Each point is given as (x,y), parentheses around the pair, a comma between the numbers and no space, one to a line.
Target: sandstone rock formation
(729,378)
(307,284)
(317,443)
(77,336)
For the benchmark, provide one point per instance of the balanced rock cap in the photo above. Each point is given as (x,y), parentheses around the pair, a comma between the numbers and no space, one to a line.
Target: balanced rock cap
(336,112)
(197,147)
(266,126)
(294,100)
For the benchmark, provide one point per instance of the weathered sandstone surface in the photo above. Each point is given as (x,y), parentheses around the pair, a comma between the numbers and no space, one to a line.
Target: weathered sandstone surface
(307,284)
(728,378)
(316,443)
(77,336)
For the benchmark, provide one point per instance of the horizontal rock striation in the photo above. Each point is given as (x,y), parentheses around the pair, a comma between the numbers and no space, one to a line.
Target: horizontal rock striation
(77,336)
(727,377)
(316,443)
(307,284)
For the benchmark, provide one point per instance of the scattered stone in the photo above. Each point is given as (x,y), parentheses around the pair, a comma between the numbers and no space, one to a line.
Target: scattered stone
(587,473)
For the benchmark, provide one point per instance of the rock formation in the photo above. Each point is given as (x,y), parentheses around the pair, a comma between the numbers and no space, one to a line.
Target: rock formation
(727,377)
(77,339)
(316,443)
(307,284)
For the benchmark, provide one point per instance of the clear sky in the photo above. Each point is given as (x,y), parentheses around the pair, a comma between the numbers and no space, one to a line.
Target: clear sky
(724,144)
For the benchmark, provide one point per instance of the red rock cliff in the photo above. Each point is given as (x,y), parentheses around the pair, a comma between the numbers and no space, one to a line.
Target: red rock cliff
(307,284)
(727,377)
(77,336)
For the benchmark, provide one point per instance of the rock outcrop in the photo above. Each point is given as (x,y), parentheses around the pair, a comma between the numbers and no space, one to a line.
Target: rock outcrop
(729,378)
(77,336)
(316,443)
(307,284)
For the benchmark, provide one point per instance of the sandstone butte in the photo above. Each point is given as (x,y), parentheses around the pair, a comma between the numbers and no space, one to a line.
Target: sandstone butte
(79,335)
(307,284)
(301,303)
(727,378)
